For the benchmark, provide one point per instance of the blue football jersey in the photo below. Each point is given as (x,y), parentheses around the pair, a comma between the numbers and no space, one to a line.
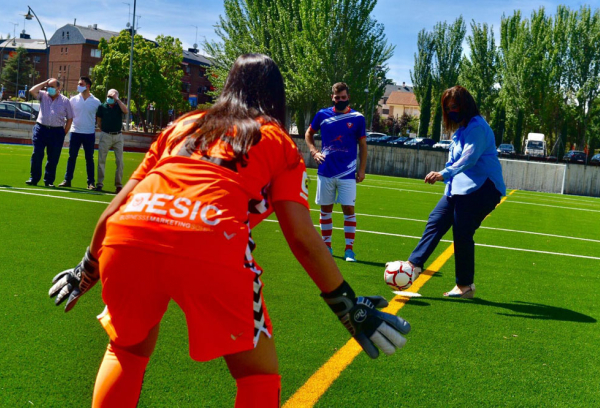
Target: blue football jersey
(340,133)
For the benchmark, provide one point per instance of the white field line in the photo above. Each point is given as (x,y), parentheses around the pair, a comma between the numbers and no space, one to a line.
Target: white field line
(4,190)
(555,196)
(337,228)
(556,200)
(552,206)
(482,227)
(508,201)
(439,193)
(481,245)
(58,190)
(416,183)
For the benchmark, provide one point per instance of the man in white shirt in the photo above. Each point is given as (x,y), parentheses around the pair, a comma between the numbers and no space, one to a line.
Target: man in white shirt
(83,132)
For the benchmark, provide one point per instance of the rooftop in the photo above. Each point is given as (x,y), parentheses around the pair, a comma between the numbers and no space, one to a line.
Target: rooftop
(195,58)
(402,98)
(393,87)
(28,44)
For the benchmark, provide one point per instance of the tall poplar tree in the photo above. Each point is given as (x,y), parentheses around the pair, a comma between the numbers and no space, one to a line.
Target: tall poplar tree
(422,79)
(447,39)
(314,43)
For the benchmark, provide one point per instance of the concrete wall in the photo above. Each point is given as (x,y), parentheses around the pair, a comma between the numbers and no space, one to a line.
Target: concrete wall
(582,180)
(533,176)
(396,161)
(20,131)
(518,174)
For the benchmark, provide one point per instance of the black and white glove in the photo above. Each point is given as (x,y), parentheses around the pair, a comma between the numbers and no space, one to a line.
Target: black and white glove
(366,324)
(73,283)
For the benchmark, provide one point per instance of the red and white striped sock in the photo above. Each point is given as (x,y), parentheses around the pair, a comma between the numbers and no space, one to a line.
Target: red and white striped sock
(349,230)
(326,223)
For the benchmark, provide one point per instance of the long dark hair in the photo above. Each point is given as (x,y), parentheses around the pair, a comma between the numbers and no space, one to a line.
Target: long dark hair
(466,105)
(253,90)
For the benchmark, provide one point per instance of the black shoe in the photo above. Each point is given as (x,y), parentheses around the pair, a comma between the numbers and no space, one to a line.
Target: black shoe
(91,186)
(118,190)
(30,182)
(99,187)
(49,185)
(65,183)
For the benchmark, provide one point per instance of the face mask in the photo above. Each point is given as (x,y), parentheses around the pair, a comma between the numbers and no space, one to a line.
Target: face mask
(455,117)
(51,91)
(81,89)
(341,105)
(110,101)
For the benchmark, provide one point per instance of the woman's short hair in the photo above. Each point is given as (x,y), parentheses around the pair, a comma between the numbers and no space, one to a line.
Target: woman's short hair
(466,105)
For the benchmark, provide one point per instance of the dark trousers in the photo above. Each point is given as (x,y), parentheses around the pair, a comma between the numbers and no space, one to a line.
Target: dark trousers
(464,213)
(87,140)
(52,140)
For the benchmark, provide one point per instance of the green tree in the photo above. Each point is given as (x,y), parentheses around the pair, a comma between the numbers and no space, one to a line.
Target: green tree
(479,71)
(422,79)
(447,39)
(156,75)
(583,67)
(315,44)
(532,64)
(16,71)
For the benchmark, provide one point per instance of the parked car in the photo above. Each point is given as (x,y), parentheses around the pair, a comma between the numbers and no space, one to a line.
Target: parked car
(374,136)
(443,144)
(420,142)
(506,149)
(8,110)
(574,156)
(26,107)
(399,141)
(384,139)
(595,160)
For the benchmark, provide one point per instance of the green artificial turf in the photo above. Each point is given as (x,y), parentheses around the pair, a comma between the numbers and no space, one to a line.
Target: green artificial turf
(530,338)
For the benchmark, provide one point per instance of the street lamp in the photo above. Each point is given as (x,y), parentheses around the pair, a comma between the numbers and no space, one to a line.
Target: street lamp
(130,69)
(29,16)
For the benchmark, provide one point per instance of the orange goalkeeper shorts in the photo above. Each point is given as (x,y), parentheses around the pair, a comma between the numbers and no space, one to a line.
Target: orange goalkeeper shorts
(224,307)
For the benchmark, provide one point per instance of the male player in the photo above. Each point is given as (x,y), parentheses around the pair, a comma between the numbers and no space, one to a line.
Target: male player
(341,129)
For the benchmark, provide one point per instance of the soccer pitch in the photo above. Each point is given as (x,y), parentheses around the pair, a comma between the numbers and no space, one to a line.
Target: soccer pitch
(530,338)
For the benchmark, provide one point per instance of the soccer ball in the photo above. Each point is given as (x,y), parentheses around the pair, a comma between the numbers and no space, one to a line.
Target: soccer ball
(399,275)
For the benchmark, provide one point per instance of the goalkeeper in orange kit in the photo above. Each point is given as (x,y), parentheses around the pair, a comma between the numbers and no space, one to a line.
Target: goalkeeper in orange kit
(180,229)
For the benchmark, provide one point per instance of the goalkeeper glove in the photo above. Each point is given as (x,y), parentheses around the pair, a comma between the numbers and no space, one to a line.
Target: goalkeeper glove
(366,324)
(73,283)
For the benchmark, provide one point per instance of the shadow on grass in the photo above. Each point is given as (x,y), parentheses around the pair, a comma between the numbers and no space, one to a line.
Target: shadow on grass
(526,310)
(378,264)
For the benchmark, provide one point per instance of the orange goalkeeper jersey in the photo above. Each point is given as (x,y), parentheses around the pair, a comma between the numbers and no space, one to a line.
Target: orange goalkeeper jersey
(190,206)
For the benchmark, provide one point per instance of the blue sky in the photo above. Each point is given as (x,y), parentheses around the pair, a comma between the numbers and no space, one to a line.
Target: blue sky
(403,19)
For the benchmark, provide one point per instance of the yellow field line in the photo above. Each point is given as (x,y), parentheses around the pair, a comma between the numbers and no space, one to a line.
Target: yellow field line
(308,395)
(319,382)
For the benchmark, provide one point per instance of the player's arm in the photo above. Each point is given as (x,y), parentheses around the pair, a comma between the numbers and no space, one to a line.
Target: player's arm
(68,125)
(71,284)
(35,90)
(309,137)
(359,315)
(362,156)
(112,208)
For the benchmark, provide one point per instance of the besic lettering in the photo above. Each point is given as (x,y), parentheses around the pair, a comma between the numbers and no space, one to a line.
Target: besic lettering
(176,207)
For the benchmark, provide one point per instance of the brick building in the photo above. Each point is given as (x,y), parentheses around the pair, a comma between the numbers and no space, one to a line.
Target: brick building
(36,51)
(195,83)
(74,52)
